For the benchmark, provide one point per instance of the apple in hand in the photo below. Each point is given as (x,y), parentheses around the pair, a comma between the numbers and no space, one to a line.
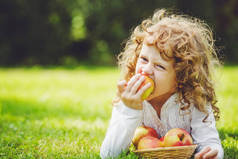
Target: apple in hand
(177,137)
(147,80)
(148,91)
(148,142)
(143,131)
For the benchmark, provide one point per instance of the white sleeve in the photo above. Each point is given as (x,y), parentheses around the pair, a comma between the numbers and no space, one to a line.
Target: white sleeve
(121,129)
(205,133)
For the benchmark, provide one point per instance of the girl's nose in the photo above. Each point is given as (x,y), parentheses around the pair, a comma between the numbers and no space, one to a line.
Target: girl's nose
(147,69)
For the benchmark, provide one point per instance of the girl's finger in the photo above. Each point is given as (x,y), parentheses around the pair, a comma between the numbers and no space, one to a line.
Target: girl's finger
(137,85)
(200,154)
(211,154)
(121,85)
(132,82)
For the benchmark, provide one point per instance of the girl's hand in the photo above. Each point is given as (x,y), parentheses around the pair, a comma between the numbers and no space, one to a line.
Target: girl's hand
(129,93)
(207,153)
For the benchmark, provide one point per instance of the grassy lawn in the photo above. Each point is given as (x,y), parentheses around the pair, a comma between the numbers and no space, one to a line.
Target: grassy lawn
(64,113)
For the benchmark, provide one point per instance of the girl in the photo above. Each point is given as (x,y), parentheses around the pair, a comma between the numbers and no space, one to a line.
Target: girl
(178,53)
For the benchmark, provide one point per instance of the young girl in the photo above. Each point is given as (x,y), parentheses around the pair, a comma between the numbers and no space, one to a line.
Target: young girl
(178,53)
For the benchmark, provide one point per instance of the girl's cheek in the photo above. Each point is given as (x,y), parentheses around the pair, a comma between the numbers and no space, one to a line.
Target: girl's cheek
(139,70)
(136,71)
(156,83)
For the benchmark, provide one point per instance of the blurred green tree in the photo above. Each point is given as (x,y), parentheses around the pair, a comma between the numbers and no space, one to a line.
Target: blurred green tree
(64,32)
(33,32)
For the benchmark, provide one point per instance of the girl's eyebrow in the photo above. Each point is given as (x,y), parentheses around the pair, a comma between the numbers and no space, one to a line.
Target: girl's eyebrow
(141,54)
(163,63)
(159,63)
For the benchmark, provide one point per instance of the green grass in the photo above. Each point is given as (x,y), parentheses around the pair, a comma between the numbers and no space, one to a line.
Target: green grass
(64,113)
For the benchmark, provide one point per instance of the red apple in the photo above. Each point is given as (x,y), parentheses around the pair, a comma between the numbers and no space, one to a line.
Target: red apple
(177,137)
(143,131)
(162,139)
(148,142)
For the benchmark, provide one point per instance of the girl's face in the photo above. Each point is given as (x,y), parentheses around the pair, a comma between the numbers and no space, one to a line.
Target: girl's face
(161,71)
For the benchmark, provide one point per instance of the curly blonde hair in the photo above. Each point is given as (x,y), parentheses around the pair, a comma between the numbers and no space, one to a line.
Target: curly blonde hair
(191,44)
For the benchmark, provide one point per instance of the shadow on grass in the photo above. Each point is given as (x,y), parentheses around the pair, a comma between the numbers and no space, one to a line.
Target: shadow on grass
(38,110)
(224,133)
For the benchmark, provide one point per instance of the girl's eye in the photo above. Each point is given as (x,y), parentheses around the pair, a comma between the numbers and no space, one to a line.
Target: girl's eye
(160,66)
(144,59)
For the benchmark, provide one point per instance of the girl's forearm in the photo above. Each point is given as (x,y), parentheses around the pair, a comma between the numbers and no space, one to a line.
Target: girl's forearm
(121,129)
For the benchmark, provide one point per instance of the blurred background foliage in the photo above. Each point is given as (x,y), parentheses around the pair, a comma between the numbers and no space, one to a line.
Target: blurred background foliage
(74,32)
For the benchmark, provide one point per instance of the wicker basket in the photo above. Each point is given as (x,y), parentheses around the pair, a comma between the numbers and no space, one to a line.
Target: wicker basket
(178,152)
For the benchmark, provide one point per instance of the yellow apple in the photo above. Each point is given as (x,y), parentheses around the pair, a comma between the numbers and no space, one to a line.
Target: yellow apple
(148,91)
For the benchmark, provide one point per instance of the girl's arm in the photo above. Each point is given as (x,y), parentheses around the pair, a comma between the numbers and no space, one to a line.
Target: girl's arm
(121,129)
(126,117)
(205,133)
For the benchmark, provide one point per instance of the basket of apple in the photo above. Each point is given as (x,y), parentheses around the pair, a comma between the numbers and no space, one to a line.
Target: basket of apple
(177,143)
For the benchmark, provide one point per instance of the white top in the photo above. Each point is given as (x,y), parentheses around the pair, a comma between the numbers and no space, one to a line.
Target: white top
(125,120)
